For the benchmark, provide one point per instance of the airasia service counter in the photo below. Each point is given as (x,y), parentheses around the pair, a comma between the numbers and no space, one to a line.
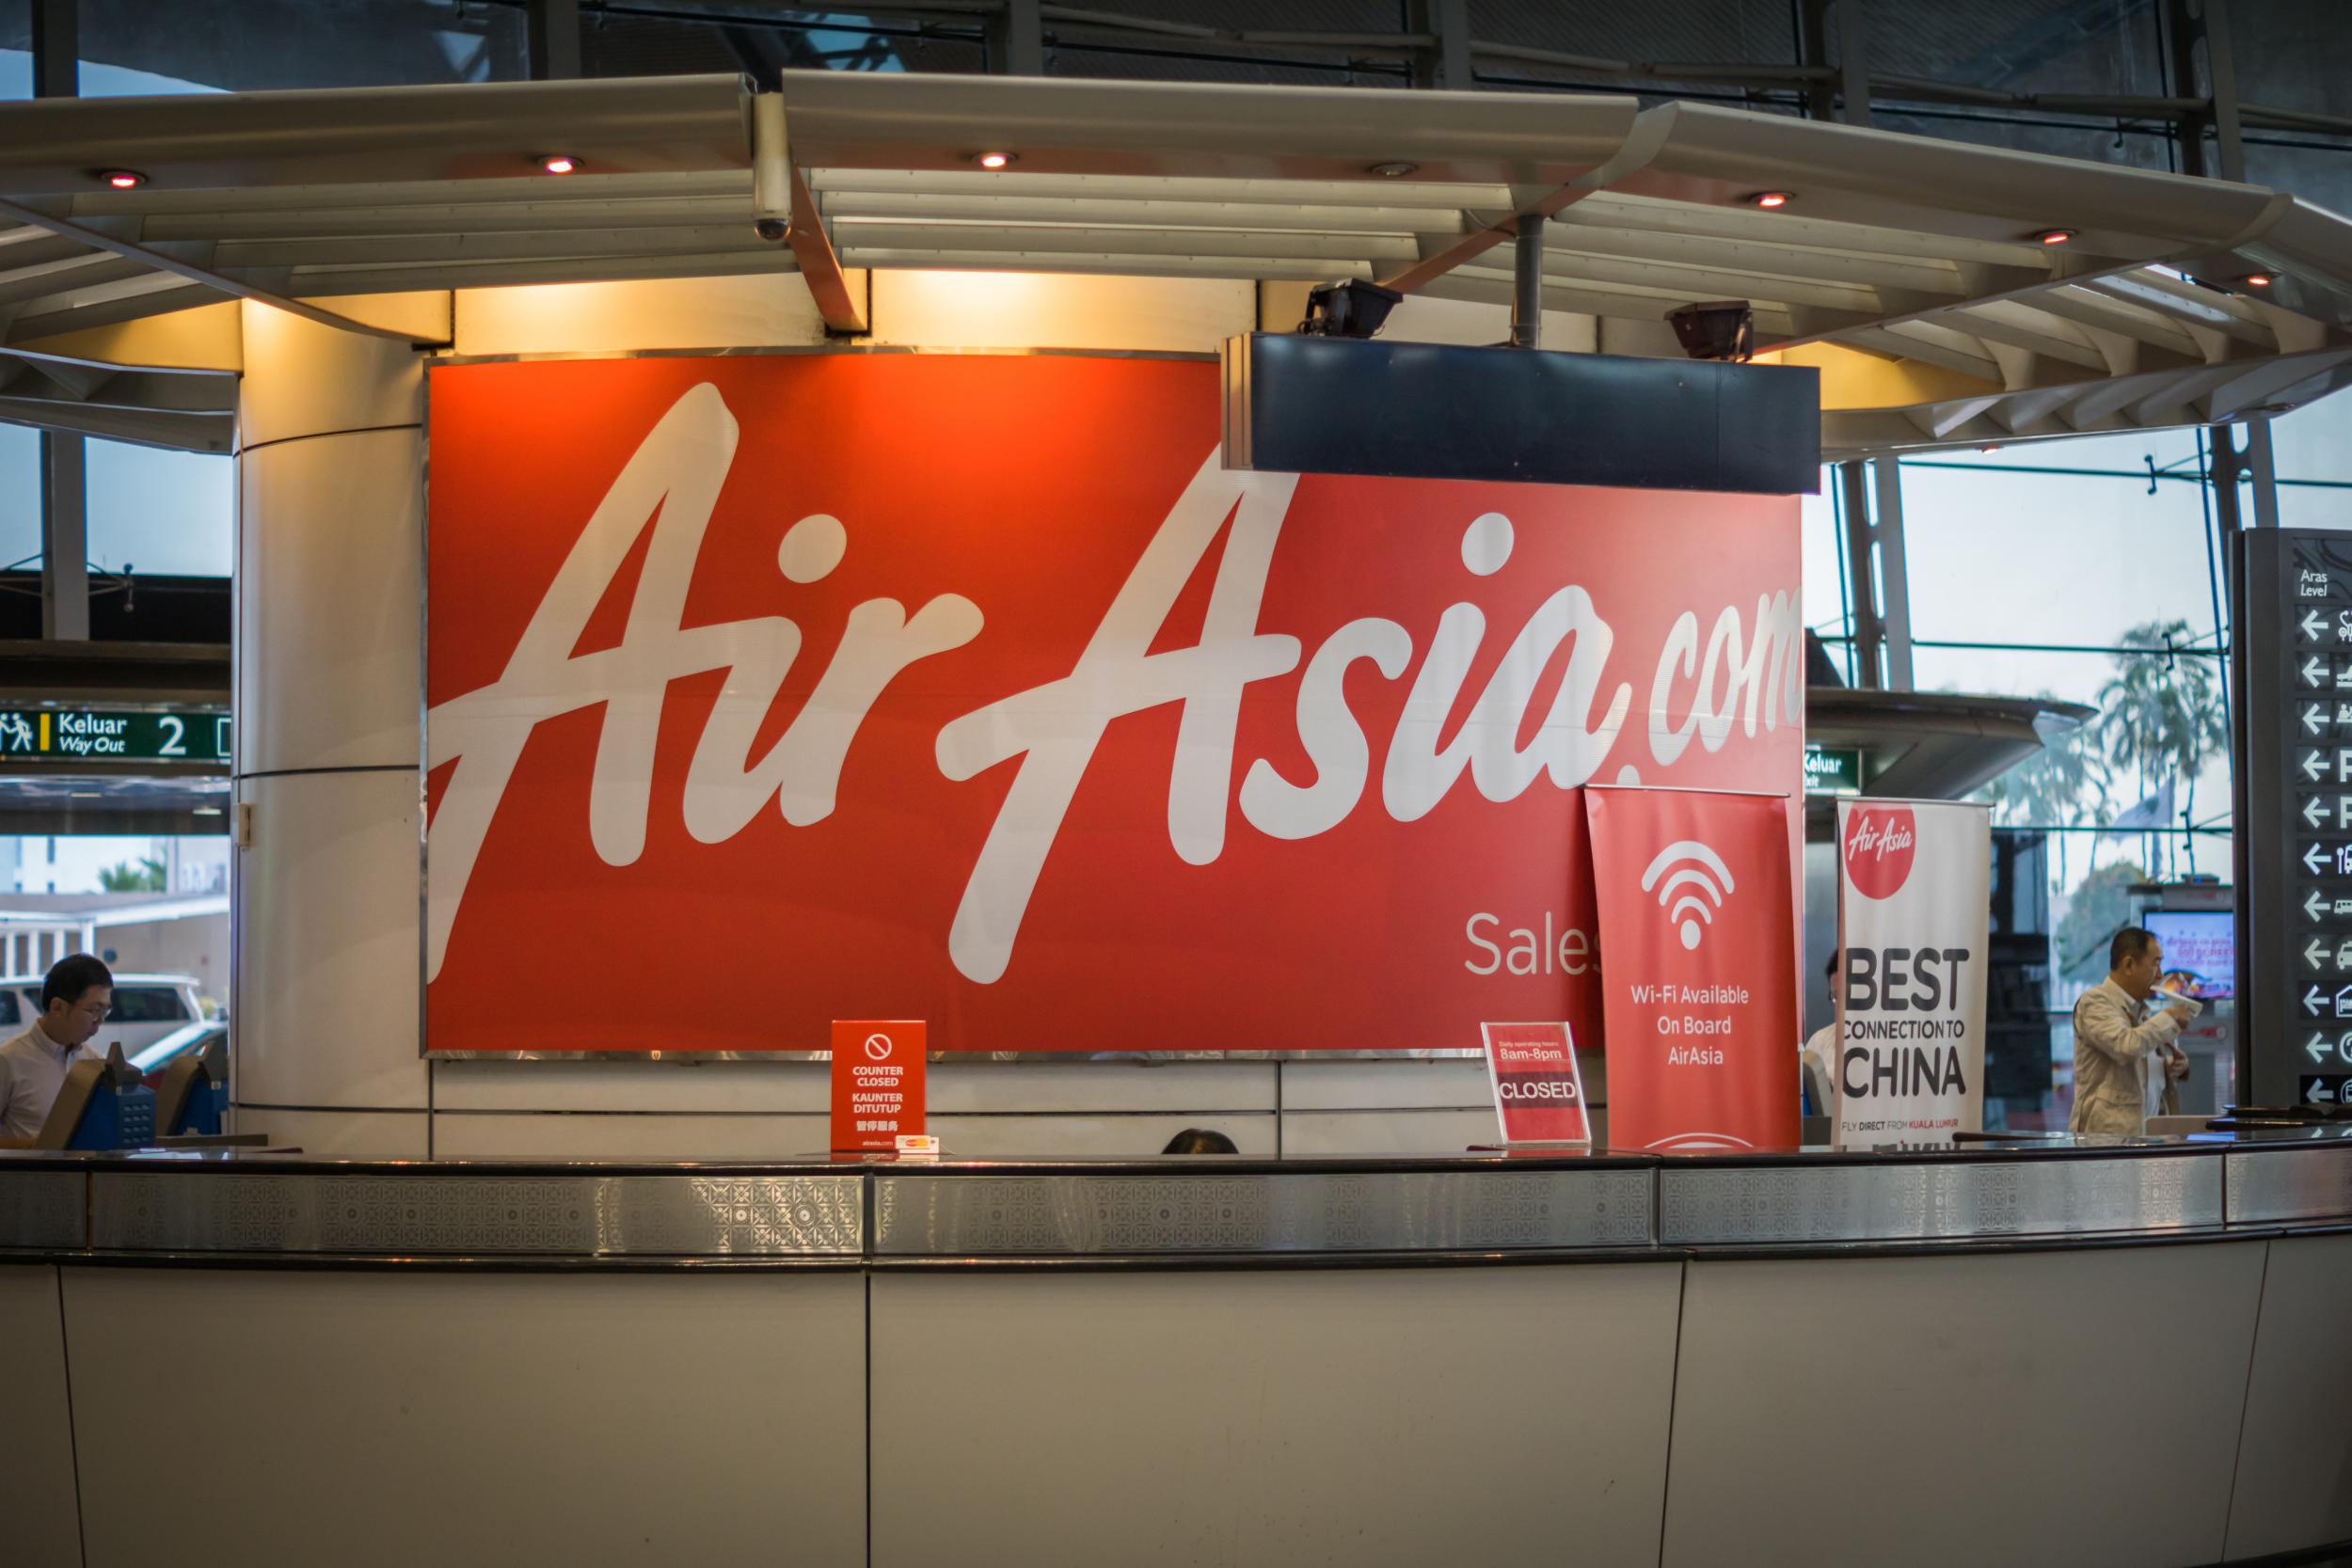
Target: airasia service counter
(2067,1354)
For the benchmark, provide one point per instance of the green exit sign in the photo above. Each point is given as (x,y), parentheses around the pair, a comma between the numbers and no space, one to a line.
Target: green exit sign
(1833,769)
(75,735)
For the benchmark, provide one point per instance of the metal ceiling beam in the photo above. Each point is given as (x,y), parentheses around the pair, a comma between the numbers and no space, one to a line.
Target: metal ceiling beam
(1140,244)
(1448,197)
(520,218)
(1268,268)
(31,325)
(159,262)
(1147,214)
(535,190)
(56,48)
(820,266)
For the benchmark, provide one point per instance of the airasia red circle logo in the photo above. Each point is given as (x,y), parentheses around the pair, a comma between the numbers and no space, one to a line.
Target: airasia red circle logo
(1881,842)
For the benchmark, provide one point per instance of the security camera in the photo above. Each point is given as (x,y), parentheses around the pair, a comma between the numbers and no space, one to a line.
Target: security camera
(774,231)
(1355,308)
(1725,329)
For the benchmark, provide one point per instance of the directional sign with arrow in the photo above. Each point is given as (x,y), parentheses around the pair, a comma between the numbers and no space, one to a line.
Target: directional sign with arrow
(2292,747)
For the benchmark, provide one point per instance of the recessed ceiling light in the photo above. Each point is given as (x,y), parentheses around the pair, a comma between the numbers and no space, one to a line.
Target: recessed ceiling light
(1768,200)
(558,163)
(996,160)
(2054,236)
(2256,280)
(1396,170)
(205,810)
(122,179)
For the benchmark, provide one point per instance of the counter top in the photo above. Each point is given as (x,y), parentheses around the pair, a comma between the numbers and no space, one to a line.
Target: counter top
(818,1211)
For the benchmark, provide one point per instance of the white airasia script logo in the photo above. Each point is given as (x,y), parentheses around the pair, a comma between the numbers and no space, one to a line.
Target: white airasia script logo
(673,481)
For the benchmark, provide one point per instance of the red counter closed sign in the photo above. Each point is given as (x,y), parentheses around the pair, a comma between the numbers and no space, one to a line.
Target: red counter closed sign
(1539,1096)
(876,1081)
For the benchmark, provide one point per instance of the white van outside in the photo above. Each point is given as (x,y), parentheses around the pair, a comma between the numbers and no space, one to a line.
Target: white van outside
(147,1007)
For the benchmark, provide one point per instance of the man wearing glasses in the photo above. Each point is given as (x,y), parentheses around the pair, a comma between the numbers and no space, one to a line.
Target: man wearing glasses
(74,999)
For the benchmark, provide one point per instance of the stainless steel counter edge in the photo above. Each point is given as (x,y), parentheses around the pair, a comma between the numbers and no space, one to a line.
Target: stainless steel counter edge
(481,1213)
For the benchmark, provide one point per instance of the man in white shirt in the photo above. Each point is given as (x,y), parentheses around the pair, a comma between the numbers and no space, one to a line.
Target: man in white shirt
(74,999)
(2115,1038)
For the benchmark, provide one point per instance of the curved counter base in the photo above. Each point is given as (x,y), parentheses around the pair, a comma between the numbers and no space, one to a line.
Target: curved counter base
(2125,1356)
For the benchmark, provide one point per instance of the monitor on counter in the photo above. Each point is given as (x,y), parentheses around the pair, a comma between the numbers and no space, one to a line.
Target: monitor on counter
(2199,951)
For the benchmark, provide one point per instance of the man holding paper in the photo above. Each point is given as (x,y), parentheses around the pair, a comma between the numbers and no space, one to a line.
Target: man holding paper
(2115,1038)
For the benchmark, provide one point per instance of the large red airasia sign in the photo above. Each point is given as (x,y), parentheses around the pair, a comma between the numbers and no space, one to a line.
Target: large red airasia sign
(768,691)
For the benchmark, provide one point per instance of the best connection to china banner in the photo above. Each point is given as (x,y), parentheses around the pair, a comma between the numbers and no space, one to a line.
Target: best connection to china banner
(975,688)
(1913,896)
(1700,1001)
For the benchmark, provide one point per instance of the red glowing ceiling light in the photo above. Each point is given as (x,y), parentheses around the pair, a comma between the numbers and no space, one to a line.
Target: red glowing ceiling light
(558,163)
(2256,280)
(123,178)
(1768,200)
(2054,236)
(992,160)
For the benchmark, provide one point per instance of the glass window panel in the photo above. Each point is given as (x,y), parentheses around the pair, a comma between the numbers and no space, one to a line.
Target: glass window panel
(169,513)
(2011,672)
(2313,442)
(20,498)
(1823,564)
(129,47)
(2003,557)
(2311,505)
(2126,454)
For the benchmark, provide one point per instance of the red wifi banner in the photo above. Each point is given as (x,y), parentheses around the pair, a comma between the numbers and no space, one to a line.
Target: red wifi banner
(1698,996)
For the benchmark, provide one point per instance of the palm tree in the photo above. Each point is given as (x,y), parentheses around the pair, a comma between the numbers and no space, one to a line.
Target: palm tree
(2161,713)
(143,876)
(2053,788)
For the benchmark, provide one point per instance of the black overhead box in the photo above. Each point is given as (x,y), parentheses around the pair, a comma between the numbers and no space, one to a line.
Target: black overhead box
(1301,403)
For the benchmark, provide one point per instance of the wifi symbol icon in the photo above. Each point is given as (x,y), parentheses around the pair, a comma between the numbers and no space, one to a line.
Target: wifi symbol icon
(1686,892)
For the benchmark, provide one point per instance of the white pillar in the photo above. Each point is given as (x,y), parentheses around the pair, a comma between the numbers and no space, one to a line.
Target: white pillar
(329,664)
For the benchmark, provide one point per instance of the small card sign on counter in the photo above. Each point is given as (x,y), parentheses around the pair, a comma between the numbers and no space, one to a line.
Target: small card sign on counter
(877,1082)
(1539,1095)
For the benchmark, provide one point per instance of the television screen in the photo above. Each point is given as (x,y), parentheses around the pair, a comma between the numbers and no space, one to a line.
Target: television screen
(2200,952)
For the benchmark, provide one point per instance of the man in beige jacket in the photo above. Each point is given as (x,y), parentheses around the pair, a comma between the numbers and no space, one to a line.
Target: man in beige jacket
(2115,1038)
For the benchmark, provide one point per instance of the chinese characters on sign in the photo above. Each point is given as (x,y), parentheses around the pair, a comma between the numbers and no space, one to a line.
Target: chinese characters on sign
(877,1082)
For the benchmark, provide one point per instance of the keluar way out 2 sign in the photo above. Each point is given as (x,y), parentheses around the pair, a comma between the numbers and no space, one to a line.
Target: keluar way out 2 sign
(768,691)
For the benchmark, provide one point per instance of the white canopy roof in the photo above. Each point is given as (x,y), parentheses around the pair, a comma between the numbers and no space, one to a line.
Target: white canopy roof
(1909,269)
